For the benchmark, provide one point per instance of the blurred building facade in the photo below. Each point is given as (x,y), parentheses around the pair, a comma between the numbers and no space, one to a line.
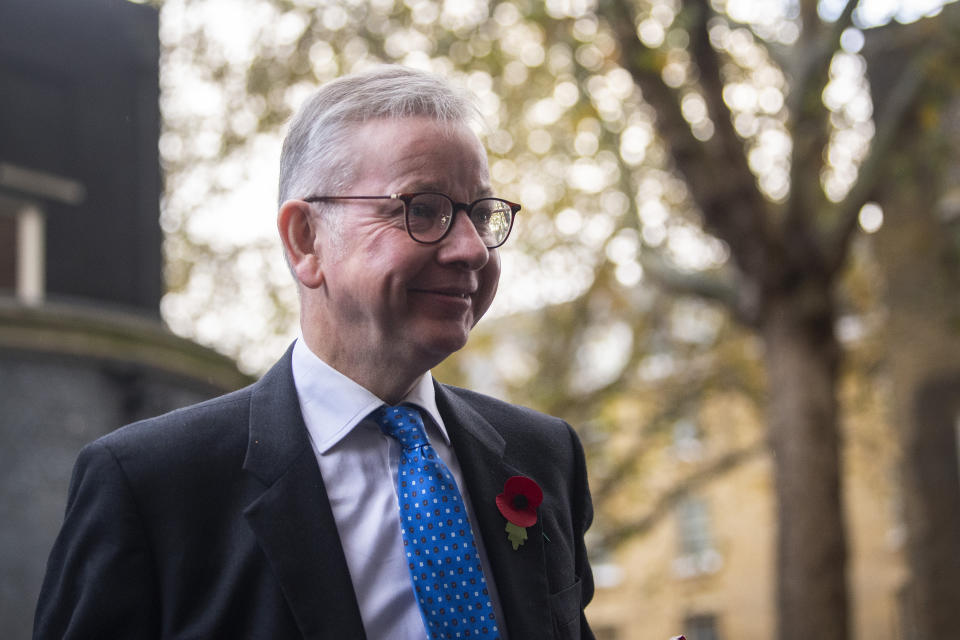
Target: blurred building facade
(707,568)
(82,346)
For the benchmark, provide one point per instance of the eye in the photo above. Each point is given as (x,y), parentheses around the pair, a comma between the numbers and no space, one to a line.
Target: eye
(490,213)
(427,216)
(481,215)
(423,210)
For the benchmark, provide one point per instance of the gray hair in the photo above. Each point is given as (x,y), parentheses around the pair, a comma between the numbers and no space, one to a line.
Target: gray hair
(314,159)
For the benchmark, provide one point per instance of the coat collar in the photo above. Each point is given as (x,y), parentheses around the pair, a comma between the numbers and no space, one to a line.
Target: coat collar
(292,519)
(294,524)
(519,574)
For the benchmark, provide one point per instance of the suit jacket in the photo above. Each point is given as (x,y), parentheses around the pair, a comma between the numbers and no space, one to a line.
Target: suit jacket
(213,522)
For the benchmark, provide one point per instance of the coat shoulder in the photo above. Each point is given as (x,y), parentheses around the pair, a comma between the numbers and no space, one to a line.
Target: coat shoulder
(194,424)
(523,429)
(495,409)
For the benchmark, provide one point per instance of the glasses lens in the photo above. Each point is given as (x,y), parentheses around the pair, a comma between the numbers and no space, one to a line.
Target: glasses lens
(428,216)
(492,218)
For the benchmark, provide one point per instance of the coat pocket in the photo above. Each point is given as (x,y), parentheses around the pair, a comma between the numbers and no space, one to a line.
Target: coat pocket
(566,609)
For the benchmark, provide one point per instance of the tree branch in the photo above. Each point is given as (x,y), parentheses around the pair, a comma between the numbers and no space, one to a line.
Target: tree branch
(911,47)
(613,536)
(708,285)
(675,398)
(781,54)
(811,128)
(716,170)
(896,106)
(819,45)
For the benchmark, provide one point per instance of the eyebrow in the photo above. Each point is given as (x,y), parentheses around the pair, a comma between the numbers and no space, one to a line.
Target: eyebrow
(485,191)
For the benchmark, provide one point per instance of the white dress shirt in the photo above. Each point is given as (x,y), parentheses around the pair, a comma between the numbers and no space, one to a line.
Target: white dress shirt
(359,468)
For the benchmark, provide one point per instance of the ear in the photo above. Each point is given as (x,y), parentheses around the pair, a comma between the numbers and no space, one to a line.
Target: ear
(298,232)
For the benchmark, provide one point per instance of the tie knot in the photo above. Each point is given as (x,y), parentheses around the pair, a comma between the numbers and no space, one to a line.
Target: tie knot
(404,424)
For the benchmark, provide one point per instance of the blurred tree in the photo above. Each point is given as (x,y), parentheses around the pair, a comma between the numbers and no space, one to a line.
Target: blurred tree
(721,150)
(918,249)
(787,260)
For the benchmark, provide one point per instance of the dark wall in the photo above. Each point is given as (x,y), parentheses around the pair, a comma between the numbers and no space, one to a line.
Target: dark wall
(79,91)
(52,405)
(79,99)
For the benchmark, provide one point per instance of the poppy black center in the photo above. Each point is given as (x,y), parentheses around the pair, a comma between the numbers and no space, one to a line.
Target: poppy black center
(520,501)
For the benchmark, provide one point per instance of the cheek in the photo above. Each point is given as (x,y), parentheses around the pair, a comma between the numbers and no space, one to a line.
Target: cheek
(387,274)
(489,280)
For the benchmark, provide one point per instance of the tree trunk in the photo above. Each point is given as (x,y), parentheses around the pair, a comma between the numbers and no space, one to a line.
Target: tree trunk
(921,278)
(932,507)
(802,355)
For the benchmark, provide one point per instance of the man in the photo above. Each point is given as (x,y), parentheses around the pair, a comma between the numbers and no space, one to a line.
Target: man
(284,510)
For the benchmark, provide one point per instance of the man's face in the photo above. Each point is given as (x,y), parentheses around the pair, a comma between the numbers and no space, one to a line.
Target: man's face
(387,300)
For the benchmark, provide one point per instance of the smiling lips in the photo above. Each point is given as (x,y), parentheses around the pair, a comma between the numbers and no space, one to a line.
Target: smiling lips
(446,301)
(464,294)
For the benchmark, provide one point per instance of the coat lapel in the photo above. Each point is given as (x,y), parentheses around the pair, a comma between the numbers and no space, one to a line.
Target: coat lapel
(292,519)
(518,574)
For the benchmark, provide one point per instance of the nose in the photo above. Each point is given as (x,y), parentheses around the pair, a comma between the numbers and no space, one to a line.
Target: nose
(463,245)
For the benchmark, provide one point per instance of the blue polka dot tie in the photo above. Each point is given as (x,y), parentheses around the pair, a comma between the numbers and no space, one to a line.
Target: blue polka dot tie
(437,539)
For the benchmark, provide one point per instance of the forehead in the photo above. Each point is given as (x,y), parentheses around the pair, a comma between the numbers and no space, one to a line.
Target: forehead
(419,153)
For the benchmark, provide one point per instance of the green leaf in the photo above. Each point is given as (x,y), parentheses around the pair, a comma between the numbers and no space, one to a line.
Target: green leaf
(516,535)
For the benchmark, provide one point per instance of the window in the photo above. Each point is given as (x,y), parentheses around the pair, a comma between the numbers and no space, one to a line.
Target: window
(701,626)
(605,632)
(8,253)
(956,427)
(22,250)
(696,553)
(906,612)
(694,526)
(687,442)
(23,226)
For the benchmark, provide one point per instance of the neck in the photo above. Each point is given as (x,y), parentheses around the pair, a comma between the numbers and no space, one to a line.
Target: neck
(388,380)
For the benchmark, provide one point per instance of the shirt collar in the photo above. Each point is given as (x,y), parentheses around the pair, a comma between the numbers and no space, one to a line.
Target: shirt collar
(332,404)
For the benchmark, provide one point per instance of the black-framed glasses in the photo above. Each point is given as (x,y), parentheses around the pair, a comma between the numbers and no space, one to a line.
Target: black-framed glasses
(429,215)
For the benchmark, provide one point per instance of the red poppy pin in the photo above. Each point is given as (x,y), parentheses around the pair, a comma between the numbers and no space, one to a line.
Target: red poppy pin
(518,503)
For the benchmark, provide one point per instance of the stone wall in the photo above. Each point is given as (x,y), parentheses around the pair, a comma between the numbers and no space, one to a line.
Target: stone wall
(67,376)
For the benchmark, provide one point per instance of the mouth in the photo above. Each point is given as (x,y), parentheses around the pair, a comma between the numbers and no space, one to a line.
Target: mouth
(453,300)
(449,293)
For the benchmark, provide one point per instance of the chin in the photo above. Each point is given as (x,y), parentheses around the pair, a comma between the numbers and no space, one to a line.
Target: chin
(440,346)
